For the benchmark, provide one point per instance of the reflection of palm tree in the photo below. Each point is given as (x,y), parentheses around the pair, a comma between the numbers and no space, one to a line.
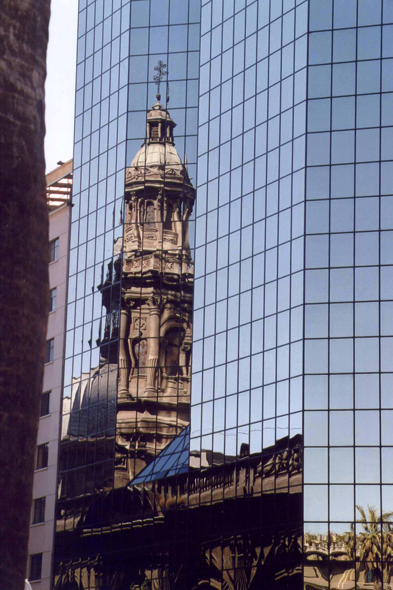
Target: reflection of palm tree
(374,545)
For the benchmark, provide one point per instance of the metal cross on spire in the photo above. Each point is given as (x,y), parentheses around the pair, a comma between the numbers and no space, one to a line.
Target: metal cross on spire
(162,71)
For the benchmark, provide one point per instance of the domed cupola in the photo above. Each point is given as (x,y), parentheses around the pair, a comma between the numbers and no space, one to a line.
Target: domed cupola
(159,125)
(157,162)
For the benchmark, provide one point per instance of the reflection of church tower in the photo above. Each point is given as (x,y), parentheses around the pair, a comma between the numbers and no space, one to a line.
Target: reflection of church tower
(156,302)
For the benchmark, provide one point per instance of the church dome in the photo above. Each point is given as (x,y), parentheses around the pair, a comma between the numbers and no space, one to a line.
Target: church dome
(158,157)
(157,154)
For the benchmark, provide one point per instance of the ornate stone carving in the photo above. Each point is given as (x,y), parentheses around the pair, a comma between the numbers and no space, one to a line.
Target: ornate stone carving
(287,461)
(170,237)
(140,324)
(171,264)
(155,301)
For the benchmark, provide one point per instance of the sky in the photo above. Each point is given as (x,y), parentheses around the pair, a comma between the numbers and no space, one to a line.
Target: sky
(60,82)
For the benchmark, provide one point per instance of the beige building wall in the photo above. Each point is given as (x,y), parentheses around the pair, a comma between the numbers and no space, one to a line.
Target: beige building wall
(44,485)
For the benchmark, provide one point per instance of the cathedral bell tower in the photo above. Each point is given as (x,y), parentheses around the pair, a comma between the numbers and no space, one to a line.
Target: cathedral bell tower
(156,302)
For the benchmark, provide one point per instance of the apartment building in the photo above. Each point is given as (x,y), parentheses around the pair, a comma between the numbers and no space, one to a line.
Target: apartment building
(59,184)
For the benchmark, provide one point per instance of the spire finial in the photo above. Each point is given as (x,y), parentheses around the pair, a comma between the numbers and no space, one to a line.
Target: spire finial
(162,71)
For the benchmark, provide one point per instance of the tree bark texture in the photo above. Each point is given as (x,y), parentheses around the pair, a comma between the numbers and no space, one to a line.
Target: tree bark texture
(23,269)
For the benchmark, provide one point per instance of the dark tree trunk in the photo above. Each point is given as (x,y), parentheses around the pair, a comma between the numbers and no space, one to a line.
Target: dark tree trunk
(23,269)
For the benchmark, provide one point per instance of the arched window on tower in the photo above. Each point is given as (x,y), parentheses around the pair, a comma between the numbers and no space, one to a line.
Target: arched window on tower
(154,131)
(173,341)
(150,215)
(168,217)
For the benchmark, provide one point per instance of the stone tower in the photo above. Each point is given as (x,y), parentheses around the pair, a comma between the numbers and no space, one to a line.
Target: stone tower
(156,301)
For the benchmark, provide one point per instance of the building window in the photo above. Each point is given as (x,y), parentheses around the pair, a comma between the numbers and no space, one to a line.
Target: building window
(154,132)
(54,250)
(35,567)
(52,301)
(45,397)
(174,338)
(42,456)
(148,214)
(168,218)
(49,350)
(39,511)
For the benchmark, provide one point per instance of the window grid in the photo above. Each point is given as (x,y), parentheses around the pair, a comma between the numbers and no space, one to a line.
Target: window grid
(107,136)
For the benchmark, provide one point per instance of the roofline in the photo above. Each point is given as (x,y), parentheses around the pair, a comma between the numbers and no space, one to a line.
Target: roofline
(59,186)
(58,173)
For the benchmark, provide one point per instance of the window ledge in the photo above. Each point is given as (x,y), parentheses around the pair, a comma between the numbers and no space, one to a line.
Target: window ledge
(37,524)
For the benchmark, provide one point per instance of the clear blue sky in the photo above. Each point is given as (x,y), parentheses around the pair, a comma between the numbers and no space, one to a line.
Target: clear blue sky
(60,82)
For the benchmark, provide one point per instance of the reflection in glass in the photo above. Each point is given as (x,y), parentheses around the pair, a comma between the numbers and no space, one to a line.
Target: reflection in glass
(155,327)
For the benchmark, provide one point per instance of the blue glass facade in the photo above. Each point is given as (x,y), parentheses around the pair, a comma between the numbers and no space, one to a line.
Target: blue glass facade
(276,473)
(249,228)
(347,360)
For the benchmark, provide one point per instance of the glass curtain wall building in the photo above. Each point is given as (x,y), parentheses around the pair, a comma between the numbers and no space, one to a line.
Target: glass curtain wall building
(277,471)
(347,291)
(127,373)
